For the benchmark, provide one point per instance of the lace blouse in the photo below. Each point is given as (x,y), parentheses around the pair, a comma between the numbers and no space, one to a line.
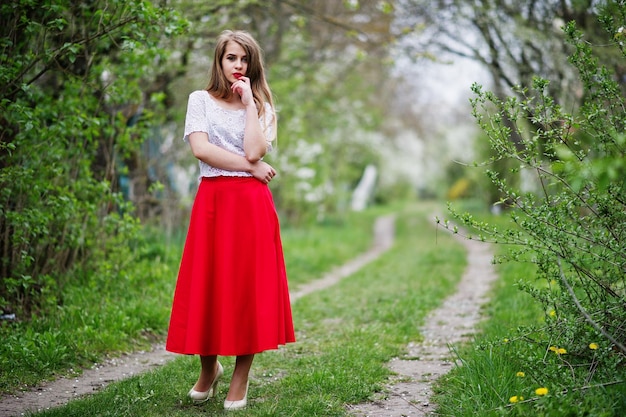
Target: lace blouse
(225,128)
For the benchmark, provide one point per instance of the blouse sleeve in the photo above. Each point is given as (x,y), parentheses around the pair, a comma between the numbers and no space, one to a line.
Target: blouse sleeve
(196,118)
(267,123)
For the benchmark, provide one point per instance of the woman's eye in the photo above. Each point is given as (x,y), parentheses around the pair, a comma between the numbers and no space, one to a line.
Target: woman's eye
(234,58)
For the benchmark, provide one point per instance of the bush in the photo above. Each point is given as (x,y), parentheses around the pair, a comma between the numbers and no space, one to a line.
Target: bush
(573,227)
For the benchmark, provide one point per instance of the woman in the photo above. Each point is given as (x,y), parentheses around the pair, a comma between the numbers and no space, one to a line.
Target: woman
(231,296)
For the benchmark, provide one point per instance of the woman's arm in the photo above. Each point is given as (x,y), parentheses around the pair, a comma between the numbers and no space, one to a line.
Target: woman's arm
(220,158)
(254,141)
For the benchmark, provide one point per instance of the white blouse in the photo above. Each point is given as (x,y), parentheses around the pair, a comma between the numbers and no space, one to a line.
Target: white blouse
(225,128)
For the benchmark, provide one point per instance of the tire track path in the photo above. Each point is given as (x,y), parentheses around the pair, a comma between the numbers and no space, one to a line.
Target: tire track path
(453,322)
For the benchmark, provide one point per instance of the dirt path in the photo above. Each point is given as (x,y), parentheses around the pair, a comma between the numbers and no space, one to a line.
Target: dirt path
(410,391)
(63,390)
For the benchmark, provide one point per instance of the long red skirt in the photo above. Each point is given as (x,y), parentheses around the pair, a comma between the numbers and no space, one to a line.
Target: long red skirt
(231,296)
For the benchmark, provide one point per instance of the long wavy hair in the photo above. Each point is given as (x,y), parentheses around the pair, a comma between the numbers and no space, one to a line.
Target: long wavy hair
(220,87)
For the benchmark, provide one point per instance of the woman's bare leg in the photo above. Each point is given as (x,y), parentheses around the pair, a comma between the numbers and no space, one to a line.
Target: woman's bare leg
(239,381)
(207,373)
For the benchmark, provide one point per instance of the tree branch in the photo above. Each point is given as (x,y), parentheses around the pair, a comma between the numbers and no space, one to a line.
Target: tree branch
(586,315)
(56,53)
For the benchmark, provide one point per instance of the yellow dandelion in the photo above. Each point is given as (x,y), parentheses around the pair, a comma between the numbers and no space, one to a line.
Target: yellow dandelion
(552,313)
(561,351)
(520,374)
(514,399)
(593,346)
(553,348)
(541,391)
(505,340)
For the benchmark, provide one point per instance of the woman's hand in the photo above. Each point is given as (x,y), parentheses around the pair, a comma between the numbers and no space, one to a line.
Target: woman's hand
(263,172)
(243,89)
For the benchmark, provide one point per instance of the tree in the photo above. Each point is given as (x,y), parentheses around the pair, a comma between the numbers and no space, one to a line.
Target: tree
(74,113)
(514,40)
(331,89)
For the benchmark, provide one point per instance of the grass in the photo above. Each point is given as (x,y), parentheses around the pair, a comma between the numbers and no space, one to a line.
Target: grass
(103,317)
(346,334)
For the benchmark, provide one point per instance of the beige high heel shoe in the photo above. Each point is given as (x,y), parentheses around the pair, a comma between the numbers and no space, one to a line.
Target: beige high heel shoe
(202,396)
(237,404)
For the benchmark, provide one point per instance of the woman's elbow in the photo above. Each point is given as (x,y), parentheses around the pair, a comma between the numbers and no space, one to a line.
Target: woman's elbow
(197,152)
(254,157)
(198,142)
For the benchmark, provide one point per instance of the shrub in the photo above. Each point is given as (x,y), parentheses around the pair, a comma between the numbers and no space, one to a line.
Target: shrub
(573,225)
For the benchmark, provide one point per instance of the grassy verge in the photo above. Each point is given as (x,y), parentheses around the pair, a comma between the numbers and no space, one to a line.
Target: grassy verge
(104,317)
(511,358)
(346,334)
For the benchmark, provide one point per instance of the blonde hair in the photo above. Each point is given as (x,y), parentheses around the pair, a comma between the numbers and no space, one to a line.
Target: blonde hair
(220,87)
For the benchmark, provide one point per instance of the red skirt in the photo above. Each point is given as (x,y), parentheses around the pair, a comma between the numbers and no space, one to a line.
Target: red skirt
(231,296)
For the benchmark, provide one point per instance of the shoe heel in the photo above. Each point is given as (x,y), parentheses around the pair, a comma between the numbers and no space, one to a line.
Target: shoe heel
(220,372)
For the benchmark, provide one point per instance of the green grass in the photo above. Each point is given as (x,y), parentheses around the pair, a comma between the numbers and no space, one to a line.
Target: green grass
(101,317)
(346,335)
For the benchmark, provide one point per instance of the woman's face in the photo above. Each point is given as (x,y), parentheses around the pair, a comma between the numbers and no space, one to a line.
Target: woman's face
(234,62)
